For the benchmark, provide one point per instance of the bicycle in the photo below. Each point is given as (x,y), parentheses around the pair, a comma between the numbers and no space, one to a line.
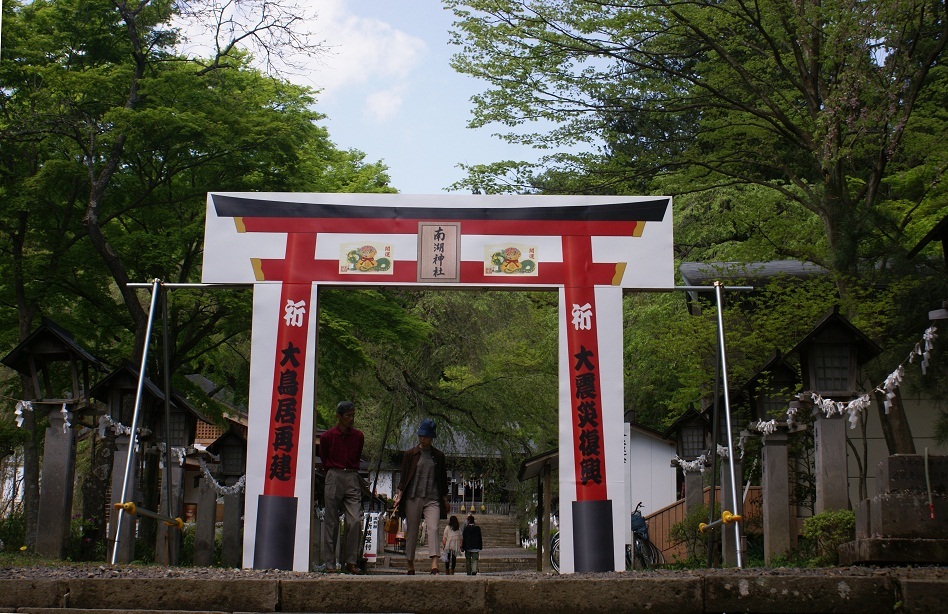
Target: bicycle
(555,551)
(641,553)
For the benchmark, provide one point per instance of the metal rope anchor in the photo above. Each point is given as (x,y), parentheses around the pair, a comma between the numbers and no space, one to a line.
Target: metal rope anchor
(131,508)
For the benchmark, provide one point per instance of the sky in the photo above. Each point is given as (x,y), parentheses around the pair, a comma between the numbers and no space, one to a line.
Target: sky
(388,90)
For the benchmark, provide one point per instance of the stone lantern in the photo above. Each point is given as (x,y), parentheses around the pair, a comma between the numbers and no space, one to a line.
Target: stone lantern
(231,448)
(118,391)
(58,370)
(176,437)
(772,391)
(830,357)
(773,388)
(691,433)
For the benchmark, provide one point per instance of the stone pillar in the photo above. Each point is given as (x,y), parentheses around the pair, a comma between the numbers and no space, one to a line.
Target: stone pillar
(728,538)
(204,524)
(232,553)
(126,545)
(832,484)
(897,526)
(56,487)
(694,491)
(775,484)
(168,543)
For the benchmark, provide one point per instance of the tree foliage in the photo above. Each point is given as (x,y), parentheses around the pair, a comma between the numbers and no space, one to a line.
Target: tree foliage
(785,130)
(810,100)
(482,364)
(112,137)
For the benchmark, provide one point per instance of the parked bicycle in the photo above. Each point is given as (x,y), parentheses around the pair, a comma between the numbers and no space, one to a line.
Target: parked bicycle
(642,553)
(555,551)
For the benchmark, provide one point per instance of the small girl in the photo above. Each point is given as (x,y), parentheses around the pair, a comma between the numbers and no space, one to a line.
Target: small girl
(451,544)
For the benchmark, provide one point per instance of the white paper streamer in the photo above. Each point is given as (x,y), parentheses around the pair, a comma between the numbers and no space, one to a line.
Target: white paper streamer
(722,451)
(767,427)
(20,407)
(893,381)
(853,408)
(218,488)
(691,466)
(923,348)
(792,415)
(66,416)
(105,421)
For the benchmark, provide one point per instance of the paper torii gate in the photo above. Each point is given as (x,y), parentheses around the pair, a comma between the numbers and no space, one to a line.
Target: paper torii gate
(287,244)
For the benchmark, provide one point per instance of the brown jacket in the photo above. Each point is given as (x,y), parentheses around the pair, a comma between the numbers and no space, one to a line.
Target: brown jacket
(410,463)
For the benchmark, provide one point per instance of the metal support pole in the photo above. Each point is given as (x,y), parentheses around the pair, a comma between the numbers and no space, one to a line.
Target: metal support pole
(138,403)
(166,376)
(727,416)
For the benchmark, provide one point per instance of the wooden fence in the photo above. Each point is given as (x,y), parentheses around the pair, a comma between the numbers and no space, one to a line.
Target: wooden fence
(661,522)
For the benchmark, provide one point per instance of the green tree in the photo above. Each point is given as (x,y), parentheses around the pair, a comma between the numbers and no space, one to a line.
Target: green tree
(483,364)
(810,99)
(111,140)
(802,130)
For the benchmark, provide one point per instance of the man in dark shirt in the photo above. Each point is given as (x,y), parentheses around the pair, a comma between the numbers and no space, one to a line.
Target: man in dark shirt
(340,449)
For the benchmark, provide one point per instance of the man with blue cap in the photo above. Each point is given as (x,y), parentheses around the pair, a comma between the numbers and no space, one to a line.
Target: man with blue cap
(423,491)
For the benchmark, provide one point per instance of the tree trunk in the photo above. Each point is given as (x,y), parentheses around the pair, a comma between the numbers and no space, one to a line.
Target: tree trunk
(895,426)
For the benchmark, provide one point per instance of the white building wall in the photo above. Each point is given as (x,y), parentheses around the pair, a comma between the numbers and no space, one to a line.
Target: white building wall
(384,486)
(649,478)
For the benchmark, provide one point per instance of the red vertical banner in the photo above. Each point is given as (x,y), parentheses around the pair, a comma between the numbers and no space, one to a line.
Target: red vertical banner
(289,367)
(582,344)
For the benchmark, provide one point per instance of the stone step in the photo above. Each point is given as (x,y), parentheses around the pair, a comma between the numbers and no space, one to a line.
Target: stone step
(486,564)
(497,531)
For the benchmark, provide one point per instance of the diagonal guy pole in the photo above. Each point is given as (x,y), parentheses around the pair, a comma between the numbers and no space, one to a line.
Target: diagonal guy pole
(129,460)
(727,415)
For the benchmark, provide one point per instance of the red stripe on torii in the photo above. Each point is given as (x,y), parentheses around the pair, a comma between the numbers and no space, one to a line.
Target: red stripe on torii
(471,272)
(404,271)
(290,355)
(585,401)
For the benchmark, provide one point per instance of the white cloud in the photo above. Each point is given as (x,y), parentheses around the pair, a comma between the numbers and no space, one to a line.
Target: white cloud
(383,105)
(363,52)
(364,57)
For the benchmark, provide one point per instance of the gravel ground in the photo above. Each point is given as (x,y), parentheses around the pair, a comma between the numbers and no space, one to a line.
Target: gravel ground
(98,570)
